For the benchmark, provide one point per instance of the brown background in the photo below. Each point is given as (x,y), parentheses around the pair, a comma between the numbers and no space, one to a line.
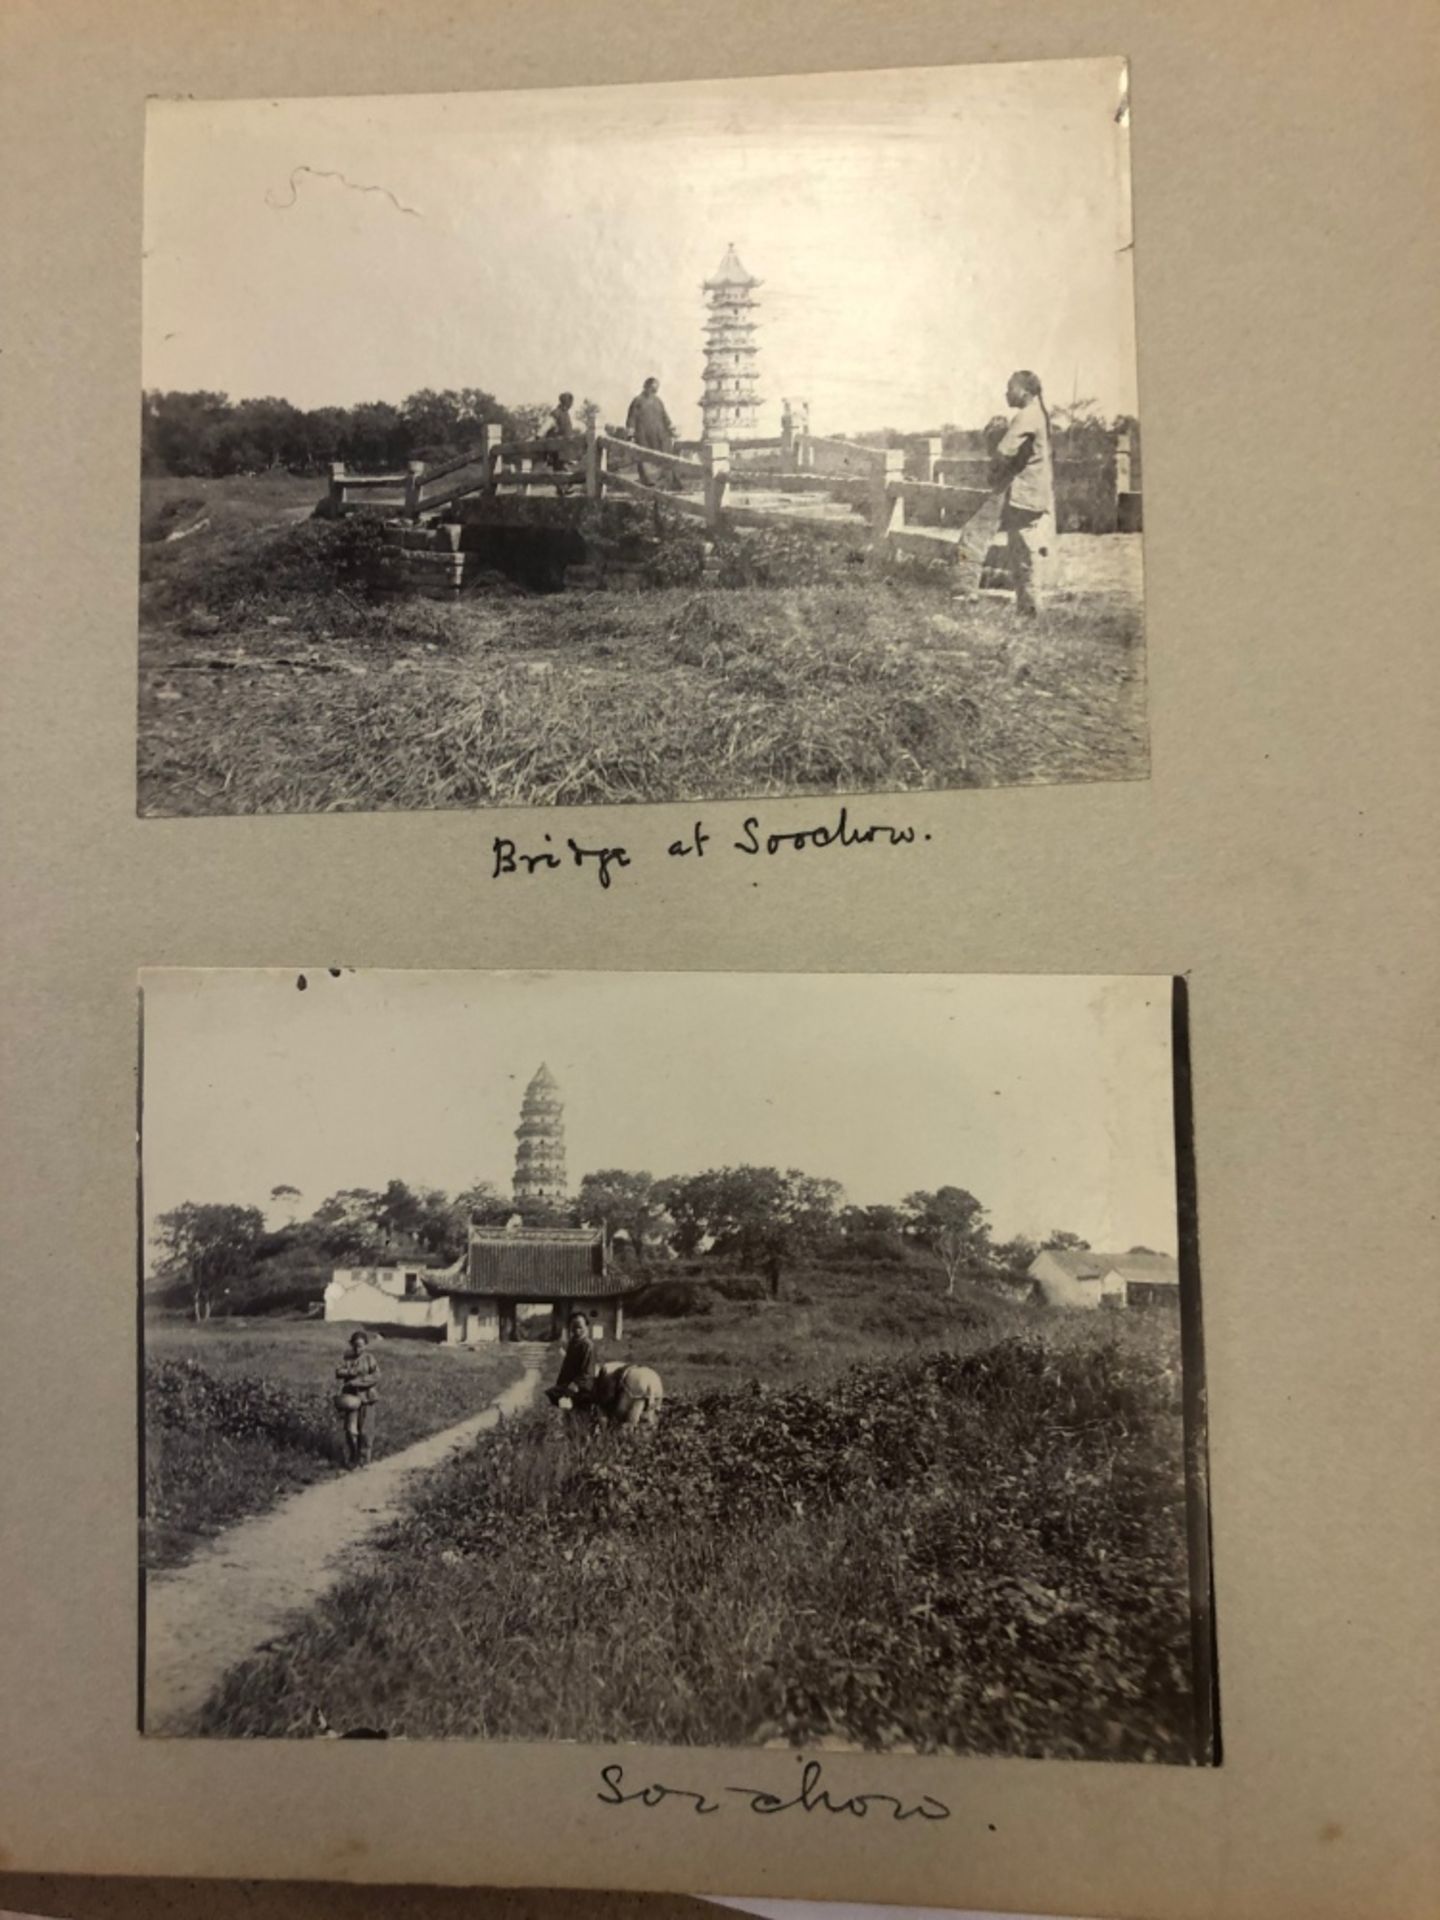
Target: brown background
(1284,190)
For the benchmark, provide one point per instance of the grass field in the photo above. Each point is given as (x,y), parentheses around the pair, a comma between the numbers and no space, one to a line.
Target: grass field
(293,702)
(239,1414)
(971,1540)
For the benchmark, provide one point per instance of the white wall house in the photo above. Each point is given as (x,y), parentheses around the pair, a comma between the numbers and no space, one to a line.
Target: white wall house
(392,1296)
(1079,1277)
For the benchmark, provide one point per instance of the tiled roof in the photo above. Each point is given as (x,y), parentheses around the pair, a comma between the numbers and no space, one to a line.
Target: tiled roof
(536,1263)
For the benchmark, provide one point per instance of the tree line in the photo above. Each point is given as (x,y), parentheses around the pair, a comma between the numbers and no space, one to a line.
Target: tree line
(218,1256)
(204,434)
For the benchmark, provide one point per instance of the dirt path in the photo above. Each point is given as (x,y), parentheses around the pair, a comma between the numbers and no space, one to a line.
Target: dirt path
(251,1583)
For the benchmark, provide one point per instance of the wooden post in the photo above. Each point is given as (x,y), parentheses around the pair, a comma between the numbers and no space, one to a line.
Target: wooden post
(716,456)
(494,433)
(414,474)
(337,484)
(929,457)
(595,465)
(787,439)
(1124,448)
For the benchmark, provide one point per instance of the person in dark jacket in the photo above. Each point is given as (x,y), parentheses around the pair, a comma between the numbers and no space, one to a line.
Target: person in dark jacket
(561,429)
(576,1379)
(649,425)
(359,1377)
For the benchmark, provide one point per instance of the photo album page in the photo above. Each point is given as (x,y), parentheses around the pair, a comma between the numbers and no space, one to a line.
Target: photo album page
(721,1043)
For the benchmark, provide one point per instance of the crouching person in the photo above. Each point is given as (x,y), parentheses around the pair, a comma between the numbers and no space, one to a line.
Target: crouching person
(575,1381)
(359,1377)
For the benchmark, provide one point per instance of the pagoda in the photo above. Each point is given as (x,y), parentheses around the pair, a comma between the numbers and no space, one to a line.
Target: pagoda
(540,1144)
(729,401)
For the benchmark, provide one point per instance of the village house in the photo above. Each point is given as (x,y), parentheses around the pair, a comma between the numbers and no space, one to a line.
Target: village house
(392,1298)
(1080,1277)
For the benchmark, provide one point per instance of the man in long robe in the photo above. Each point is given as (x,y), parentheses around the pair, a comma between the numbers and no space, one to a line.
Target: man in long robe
(649,425)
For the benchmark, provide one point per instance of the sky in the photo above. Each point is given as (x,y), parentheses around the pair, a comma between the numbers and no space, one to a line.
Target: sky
(1047,1096)
(919,233)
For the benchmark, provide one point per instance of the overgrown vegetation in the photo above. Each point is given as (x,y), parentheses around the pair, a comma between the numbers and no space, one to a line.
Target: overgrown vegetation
(237,1418)
(980,1549)
(279,675)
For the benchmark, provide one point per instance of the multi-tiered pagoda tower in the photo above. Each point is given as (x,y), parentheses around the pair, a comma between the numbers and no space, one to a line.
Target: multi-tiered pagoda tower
(729,401)
(540,1148)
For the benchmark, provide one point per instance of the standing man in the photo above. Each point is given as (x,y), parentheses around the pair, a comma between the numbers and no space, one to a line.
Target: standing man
(359,1377)
(648,424)
(576,1379)
(1024,458)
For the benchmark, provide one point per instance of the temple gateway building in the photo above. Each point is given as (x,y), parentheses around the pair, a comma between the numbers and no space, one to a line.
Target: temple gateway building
(517,1280)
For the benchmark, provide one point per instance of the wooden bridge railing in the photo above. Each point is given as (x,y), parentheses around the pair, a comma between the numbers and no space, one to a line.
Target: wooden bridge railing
(698,480)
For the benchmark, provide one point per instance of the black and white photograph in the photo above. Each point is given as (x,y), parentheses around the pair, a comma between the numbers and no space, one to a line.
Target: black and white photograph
(681,441)
(785,1361)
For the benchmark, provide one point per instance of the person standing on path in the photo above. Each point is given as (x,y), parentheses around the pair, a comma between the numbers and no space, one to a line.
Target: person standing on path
(1024,460)
(359,1377)
(649,425)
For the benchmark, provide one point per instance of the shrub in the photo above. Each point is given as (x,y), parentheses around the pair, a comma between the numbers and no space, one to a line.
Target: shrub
(739,1286)
(315,559)
(182,1394)
(672,1299)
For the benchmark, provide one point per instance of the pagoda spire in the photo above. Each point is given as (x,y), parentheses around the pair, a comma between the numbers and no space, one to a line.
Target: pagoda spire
(729,403)
(540,1143)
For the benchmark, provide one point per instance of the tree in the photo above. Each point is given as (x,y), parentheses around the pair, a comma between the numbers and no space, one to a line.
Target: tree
(482,1200)
(627,1203)
(855,1221)
(951,1224)
(209,1248)
(1013,1257)
(750,1213)
(1058,1241)
(347,1224)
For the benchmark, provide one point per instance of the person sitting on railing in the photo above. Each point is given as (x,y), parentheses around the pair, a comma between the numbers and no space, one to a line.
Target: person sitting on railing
(649,425)
(561,430)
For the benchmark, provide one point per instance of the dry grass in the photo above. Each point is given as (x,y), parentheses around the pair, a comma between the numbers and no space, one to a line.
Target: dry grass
(885,684)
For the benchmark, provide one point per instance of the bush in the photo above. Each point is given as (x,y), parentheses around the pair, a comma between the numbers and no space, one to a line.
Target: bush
(740,1286)
(316,559)
(182,1394)
(672,1299)
(869,1249)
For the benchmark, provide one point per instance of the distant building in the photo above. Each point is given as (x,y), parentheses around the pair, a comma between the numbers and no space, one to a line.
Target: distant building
(540,1144)
(509,1276)
(730,402)
(548,1270)
(1079,1277)
(389,1298)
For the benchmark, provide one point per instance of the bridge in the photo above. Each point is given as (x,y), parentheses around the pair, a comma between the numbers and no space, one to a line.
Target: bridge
(895,499)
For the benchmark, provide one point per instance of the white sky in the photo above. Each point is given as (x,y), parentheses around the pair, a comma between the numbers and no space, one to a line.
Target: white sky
(920,233)
(1048,1096)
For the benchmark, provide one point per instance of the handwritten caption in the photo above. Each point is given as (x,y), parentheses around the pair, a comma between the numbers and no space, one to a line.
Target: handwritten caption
(509,858)
(811,1797)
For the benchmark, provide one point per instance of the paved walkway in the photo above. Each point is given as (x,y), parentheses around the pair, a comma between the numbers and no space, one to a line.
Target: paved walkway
(257,1578)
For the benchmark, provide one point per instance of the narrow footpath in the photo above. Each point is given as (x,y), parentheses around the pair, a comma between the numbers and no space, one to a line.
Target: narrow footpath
(253,1582)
